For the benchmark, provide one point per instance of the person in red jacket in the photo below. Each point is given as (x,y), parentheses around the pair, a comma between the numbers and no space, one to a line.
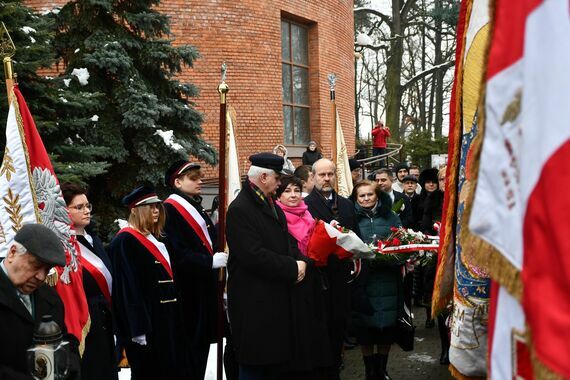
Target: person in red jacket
(379,135)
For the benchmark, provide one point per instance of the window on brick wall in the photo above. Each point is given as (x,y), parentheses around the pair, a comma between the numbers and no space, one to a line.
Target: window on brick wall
(295,82)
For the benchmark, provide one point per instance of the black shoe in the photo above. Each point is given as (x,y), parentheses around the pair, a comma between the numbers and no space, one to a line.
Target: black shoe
(430,323)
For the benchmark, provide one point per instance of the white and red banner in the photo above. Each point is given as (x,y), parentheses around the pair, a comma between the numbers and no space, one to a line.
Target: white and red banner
(343,174)
(30,193)
(521,203)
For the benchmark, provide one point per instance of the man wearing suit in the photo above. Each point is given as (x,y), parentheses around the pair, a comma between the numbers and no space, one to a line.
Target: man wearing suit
(384,179)
(25,298)
(263,270)
(325,204)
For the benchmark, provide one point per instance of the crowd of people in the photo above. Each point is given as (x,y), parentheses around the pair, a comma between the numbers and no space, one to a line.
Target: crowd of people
(153,294)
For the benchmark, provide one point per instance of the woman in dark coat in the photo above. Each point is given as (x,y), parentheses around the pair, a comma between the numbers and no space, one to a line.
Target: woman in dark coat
(144,296)
(378,298)
(311,355)
(99,360)
(312,154)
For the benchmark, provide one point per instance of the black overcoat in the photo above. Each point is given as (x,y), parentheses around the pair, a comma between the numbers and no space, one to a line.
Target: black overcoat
(337,273)
(262,272)
(406,216)
(99,358)
(17,326)
(145,302)
(193,274)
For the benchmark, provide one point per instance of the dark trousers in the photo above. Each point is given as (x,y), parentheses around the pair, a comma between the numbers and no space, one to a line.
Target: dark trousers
(198,359)
(255,372)
(377,152)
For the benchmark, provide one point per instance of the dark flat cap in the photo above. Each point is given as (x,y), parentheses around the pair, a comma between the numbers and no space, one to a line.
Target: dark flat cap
(143,195)
(353,164)
(410,178)
(268,161)
(401,165)
(428,175)
(177,169)
(42,242)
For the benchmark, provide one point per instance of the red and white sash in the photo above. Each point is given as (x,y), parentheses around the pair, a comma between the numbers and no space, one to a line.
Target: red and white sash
(151,246)
(193,218)
(97,269)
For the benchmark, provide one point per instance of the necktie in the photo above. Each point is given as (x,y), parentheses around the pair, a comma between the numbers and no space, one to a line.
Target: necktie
(25,298)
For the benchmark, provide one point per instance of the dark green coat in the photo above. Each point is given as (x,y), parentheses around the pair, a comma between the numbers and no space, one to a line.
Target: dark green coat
(378,295)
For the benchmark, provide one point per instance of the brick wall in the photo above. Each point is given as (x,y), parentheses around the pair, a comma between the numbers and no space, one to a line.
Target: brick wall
(246,35)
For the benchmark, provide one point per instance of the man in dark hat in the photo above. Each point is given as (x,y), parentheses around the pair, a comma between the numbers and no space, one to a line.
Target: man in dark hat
(410,183)
(263,269)
(325,204)
(355,170)
(25,298)
(401,170)
(192,240)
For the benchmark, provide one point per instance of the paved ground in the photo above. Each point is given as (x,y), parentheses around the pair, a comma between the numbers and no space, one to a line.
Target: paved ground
(422,363)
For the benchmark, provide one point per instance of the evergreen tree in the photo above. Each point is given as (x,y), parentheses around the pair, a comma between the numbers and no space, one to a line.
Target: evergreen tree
(147,119)
(60,112)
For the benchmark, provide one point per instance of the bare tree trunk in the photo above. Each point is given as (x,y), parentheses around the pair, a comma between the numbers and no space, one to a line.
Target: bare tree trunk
(438,75)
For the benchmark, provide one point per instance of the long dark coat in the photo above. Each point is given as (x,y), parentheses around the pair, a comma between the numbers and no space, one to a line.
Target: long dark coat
(336,275)
(17,327)
(262,272)
(99,358)
(193,274)
(145,302)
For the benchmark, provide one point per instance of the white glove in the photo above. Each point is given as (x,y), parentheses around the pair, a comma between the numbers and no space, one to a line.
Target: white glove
(220,260)
(141,339)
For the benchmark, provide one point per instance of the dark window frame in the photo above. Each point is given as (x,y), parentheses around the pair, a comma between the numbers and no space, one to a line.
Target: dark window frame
(291,66)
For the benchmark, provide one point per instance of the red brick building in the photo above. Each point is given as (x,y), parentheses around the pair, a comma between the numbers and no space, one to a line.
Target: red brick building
(279,54)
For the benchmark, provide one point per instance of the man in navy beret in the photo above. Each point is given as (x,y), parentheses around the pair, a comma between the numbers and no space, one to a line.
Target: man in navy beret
(262,272)
(25,298)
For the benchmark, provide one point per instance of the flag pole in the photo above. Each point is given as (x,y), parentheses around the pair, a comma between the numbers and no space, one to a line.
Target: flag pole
(7,51)
(223,89)
(332,85)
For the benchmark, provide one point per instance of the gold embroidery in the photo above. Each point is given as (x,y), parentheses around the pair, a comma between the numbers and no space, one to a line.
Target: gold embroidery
(513,109)
(7,165)
(14,209)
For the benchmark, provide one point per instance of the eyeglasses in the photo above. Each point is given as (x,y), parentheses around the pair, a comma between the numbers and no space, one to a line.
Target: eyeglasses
(82,207)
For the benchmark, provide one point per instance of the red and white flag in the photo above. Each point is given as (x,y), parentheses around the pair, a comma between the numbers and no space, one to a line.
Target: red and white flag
(326,240)
(30,193)
(521,203)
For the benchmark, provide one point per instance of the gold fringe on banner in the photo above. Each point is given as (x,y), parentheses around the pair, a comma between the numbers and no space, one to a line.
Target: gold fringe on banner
(459,376)
(84,333)
(443,290)
(539,369)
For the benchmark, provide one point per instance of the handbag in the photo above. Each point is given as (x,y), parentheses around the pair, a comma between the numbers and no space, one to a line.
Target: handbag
(406,330)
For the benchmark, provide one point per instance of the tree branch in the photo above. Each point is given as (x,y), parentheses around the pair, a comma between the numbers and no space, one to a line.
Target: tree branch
(425,73)
(375,12)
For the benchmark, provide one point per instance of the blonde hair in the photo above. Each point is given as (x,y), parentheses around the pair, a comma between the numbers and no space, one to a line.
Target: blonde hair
(141,219)
(441,172)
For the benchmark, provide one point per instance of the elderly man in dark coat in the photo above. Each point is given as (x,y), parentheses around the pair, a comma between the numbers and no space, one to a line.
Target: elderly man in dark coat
(262,272)
(325,204)
(25,298)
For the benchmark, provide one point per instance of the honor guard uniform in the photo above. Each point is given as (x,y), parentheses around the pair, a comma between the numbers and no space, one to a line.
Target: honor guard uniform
(191,237)
(144,296)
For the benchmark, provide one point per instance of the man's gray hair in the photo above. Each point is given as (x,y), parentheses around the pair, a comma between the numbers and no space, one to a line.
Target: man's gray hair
(314,167)
(20,249)
(256,171)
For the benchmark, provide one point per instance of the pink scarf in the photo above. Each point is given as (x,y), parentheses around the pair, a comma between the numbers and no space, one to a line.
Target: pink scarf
(300,223)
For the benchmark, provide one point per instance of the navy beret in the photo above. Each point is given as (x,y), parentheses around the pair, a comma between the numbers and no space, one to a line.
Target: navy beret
(42,242)
(268,161)
(143,195)
(410,178)
(353,164)
(177,169)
